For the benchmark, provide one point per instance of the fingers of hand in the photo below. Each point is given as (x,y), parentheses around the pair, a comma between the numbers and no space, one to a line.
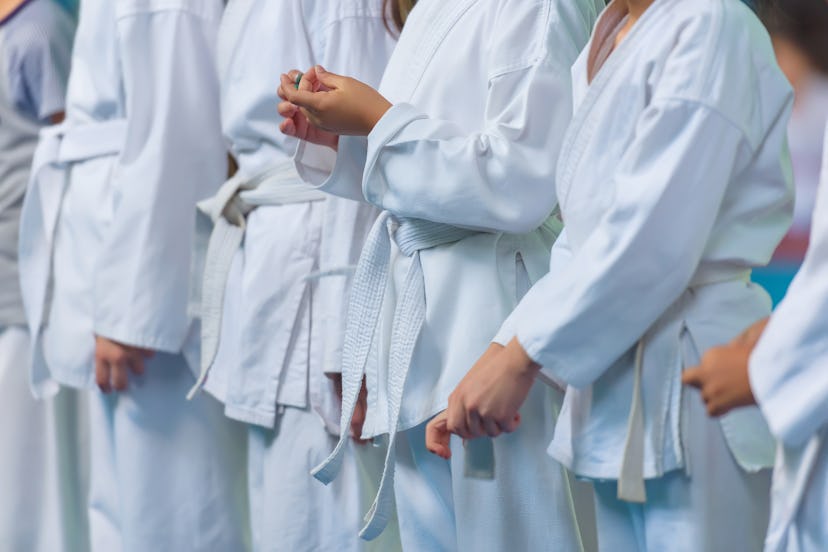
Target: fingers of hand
(287,88)
(304,98)
(286,109)
(474,423)
(456,418)
(327,79)
(512,424)
(119,373)
(102,375)
(693,377)
(287,127)
(491,428)
(438,438)
(135,362)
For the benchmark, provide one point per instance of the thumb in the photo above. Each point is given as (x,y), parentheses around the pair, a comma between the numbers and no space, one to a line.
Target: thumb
(693,377)
(327,79)
(437,436)
(513,424)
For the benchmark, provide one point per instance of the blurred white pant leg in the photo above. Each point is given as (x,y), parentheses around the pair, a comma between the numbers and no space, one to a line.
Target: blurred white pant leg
(43,467)
(167,473)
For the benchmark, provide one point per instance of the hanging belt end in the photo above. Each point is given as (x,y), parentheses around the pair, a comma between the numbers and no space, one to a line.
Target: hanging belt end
(327,471)
(375,520)
(196,389)
(479,461)
(632,491)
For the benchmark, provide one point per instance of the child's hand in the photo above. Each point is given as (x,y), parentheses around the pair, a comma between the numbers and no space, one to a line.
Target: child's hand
(438,437)
(295,122)
(360,410)
(750,337)
(722,376)
(337,104)
(114,361)
(487,400)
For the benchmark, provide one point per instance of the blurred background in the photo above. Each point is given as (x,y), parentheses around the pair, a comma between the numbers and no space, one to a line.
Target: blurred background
(799,29)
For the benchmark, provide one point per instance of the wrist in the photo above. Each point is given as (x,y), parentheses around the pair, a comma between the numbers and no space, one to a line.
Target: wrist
(519,360)
(377,112)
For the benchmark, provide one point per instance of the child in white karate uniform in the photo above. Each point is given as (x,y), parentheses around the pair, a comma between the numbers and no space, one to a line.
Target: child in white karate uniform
(106,232)
(674,181)
(270,326)
(458,149)
(43,464)
(785,374)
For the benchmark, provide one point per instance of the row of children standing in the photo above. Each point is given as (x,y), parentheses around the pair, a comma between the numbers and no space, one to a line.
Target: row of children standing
(378,266)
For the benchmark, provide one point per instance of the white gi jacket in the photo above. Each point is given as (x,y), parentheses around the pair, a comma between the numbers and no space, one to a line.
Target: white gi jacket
(674,180)
(109,185)
(279,330)
(790,382)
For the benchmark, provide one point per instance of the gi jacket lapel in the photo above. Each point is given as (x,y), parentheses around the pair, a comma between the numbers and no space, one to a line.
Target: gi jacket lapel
(432,22)
(586,118)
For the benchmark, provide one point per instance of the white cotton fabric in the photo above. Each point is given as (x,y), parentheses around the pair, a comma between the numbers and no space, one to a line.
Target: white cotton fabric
(291,511)
(674,180)
(713,507)
(167,473)
(44,471)
(439,510)
(788,377)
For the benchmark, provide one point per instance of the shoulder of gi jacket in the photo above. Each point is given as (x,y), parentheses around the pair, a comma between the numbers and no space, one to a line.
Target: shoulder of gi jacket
(206,9)
(718,54)
(525,34)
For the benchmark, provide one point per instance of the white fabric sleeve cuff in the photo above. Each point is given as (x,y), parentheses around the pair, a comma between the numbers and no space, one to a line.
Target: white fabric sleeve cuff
(336,172)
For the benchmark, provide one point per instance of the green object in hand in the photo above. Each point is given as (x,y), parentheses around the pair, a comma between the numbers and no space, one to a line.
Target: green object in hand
(298,80)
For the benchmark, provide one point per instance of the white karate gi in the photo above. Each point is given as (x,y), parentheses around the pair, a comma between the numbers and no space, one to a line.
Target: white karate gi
(788,377)
(43,464)
(279,330)
(674,180)
(112,199)
(481,94)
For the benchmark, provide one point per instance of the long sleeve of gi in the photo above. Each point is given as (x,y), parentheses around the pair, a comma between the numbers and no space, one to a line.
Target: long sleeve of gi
(789,367)
(173,156)
(584,315)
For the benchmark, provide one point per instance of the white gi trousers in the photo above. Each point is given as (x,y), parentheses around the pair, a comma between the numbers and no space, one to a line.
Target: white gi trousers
(529,505)
(168,474)
(44,463)
(292,511)
(713,507)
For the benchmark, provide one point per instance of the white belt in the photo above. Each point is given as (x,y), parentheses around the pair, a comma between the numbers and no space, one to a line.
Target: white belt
(228,210)
(364,309)
(58,147)
(631,486)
